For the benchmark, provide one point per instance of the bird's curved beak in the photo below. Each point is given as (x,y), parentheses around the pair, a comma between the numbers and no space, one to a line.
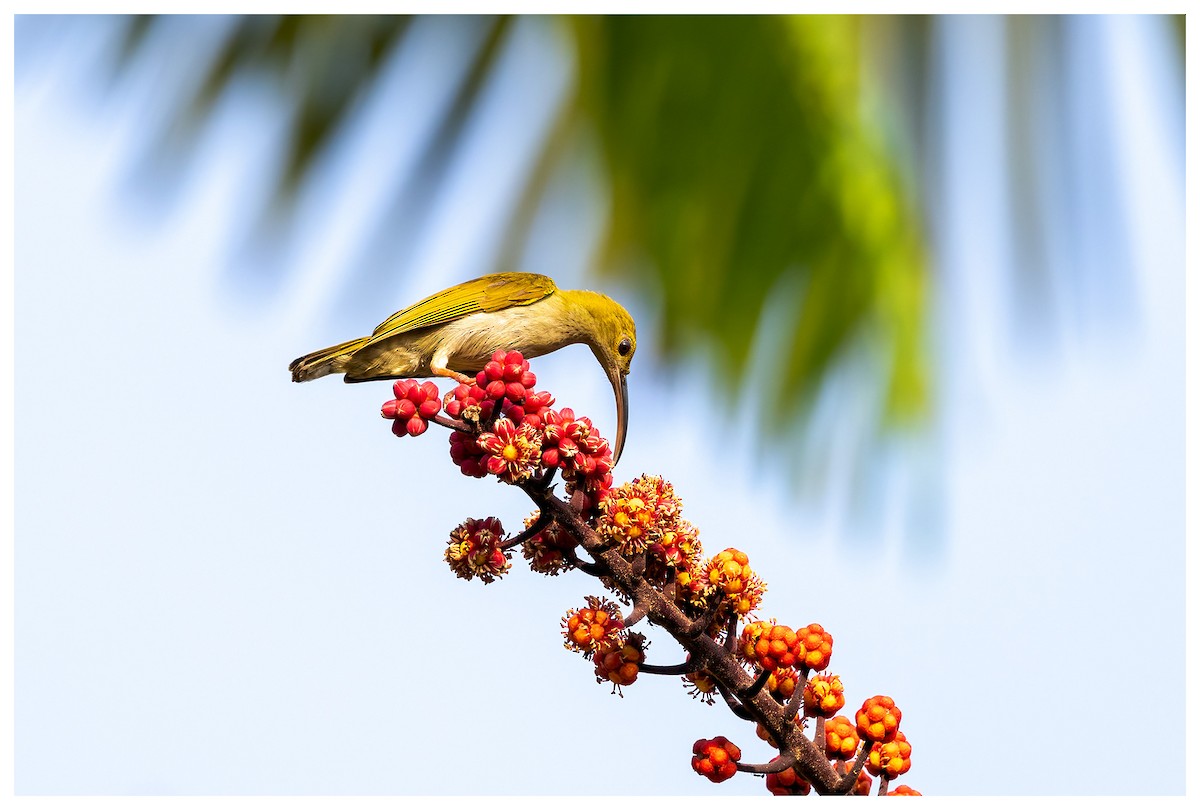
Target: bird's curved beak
(621,392)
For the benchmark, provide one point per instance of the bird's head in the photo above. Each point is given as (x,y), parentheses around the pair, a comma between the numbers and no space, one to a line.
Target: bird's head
(613,339)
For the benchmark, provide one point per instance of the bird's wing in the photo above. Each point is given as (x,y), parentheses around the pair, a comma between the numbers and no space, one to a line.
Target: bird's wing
(486,294)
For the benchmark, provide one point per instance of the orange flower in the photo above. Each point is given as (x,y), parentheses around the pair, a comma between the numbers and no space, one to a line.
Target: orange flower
(620,663)
(646,512)
(627,521)
(768,645)
(823,696)
(841,739)
(782,684)
(813,647)
(891,758)
(715,759)
(879,719)
(730,573)
(595,627)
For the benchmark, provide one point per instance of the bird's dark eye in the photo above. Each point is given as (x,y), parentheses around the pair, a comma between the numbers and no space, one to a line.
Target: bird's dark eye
(624,347)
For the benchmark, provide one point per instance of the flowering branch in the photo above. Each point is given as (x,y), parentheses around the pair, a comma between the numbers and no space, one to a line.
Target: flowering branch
(640,548)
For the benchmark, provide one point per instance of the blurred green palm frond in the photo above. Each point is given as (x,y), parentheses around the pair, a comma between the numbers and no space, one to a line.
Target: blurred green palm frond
(737,156)
(735,150)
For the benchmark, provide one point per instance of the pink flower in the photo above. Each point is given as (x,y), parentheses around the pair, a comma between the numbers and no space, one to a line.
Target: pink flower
(512,452)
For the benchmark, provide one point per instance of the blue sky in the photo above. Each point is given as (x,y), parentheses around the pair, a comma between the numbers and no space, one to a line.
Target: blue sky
(228,583)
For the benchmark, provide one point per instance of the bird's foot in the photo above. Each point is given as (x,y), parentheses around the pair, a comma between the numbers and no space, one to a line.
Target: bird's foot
(440,371)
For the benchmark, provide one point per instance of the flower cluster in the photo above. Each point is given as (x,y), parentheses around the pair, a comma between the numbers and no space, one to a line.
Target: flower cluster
(574,446)
(815,647)
(503,387)
(467,454)
(823,696)
(715,759)
(730,574)
(415,404)
(595,627)
(548,550)
(510,431)
(701,685)
(474,550)
(782,683)
(620,663)
(879,719)
(768,645)
(504,415)
(643,516)
(598,632)
(627,520)
(890,759)
(841,738)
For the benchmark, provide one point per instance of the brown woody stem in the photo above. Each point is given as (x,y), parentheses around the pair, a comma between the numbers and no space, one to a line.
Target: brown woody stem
(698,627)
(731,634)
(452,423)
(735,707)
(542,521)
(775,766)
(848,780)
(758,684)
(797,699)
(668,669)
(586,567)
(636,615)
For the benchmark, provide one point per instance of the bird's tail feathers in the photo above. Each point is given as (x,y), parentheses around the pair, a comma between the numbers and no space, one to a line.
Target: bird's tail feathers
(326,361)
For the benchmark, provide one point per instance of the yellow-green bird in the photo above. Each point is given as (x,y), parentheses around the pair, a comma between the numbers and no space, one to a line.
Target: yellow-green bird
(453,333)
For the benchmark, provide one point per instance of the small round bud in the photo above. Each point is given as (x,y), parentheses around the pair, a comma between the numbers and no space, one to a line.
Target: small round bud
(878,720)
(841,738)
(768,645)
(620,663)
(467,454)
(715,759)
(891,759)
(415,404)
(814,647)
